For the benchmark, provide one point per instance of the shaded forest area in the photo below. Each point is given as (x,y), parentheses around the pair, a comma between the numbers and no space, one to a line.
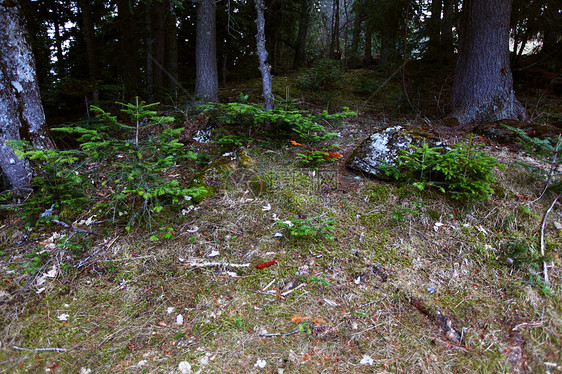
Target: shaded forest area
(281,186)
(102,52)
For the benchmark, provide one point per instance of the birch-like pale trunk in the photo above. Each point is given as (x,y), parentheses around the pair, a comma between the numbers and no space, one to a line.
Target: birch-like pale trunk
(265,68)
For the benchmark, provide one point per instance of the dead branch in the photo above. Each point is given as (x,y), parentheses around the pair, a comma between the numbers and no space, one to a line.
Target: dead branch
(39,349)
(543,226)
(106,245)
(199,263)
(75,229)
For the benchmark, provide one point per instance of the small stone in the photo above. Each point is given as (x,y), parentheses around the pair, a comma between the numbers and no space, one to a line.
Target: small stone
(184,367)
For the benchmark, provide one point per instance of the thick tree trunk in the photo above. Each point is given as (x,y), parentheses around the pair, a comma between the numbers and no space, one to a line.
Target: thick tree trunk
(159,9)
(335,51)
(171,47)
(300,50)
(128,53)
(447,46)
(149,41)
(60,64)
(16,171)
(265,68)
(483,88)
(356,33)
(21,112)
(434,44)
(206,76)
(368,45)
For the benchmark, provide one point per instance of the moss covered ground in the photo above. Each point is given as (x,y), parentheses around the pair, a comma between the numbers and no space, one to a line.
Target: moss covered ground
(404,270)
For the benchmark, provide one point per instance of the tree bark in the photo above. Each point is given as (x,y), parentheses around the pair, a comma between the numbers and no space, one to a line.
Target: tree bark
(159,9)
(128,53)
(304,21)
(149,41)
(335,51)
(447,46)
(21,112)
(265,68)
(368,55)
(88,31)
(359,17)
(171,47)
(483,88)
(434,44)
(206,75)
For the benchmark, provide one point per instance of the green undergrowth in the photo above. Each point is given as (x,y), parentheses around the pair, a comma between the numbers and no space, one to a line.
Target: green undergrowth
(291,268)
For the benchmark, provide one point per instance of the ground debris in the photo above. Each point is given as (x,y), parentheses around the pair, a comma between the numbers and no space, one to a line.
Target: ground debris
(515,356)
(444,323)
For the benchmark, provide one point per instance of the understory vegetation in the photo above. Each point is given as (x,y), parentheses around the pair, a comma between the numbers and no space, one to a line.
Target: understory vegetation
(143,250)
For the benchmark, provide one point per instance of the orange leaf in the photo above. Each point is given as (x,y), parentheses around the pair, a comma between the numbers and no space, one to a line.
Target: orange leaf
(332,155)
(318,321)
(294,143)
(297,318)
(266,264)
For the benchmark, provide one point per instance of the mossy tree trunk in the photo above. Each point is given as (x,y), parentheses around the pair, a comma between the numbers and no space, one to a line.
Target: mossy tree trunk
(21,112)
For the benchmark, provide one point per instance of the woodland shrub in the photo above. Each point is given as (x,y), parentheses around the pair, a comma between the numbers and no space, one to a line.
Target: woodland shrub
(253,118)
(462,171)
(114,171)
(324,75)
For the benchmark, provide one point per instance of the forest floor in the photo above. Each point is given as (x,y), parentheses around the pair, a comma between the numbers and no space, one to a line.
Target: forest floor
(411,281)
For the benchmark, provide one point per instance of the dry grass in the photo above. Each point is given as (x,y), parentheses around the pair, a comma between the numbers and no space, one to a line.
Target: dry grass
(350,299)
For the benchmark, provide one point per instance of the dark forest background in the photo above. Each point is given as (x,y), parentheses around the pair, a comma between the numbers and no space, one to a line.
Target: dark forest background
(103,51)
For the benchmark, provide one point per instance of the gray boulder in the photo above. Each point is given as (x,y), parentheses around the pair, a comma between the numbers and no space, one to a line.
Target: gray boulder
(383,148)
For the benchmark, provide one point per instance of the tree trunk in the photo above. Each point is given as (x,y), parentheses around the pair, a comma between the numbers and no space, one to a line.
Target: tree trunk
(447,46)
(335,40)
(21,112)
(434,44)
(149,41)
(128,53)
(356,33)
(171,47)
(368,44)
(206,76)
(159,9)
(483,88)
(60,64)
(300,50)
(90,38)
(265,68)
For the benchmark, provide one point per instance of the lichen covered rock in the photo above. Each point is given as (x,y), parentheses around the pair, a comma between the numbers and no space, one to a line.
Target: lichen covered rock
(383,148)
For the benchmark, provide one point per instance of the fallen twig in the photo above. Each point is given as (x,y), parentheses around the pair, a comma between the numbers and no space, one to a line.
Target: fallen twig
(527,324)
(75,229)
(104,246)
(268,285)
(369,303)
(199,263)
(543,226)
(294,289)
(278,334)
(39,349)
